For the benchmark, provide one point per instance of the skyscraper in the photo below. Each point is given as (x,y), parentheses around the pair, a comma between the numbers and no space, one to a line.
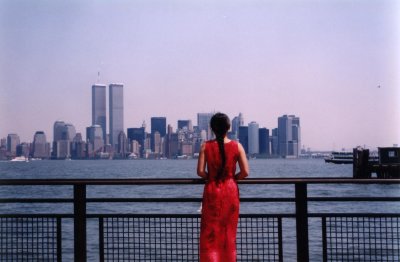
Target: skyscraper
(264,141)
(289,136)
(185,123)
(69,132)
(64,133)
(94,135)
(156,140)
(12,143)
(78,147)
(139,135)
(116,96)
(99,108)
(274,142)
(244,137)
(58,129)
(158,124)
(253,138)
(23,149)
(237,121)
(122,144)
(203,123)
(296,135)
(40,147)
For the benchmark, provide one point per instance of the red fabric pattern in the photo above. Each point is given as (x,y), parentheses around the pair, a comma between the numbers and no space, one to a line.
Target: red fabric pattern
(220,207)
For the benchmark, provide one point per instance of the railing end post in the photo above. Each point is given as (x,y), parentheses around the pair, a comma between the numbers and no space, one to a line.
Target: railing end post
(302,222)
(80,223)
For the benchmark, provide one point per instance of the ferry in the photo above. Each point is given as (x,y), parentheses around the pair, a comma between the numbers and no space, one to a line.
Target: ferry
(344,157)
(20,159)
(183,157)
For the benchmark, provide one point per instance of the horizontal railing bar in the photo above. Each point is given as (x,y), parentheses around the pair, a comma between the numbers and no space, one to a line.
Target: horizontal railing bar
(143,215)
(351,199)
(133,200)
(185,200)
(152,215)
(36,200)
(36,215)
(320,215)
(258,199)
(142,200)
(71,182)
(180,181)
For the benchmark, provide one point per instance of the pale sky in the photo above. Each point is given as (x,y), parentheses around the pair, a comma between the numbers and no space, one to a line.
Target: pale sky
(335,64)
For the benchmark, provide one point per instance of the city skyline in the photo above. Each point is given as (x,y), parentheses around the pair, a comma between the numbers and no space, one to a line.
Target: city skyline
(333,63)
(158,143)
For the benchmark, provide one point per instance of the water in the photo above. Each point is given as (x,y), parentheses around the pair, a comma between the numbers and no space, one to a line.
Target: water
(117,169)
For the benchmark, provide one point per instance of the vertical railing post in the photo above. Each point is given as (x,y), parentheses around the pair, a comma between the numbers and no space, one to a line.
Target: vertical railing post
(59,240)
(301,222)
(324,241)
(80,223)
(280,240)
(101,238)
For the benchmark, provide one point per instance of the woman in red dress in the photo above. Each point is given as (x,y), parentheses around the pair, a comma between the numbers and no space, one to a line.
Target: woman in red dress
(220,206)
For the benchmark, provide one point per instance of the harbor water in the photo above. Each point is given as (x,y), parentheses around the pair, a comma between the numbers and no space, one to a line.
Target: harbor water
(121,169)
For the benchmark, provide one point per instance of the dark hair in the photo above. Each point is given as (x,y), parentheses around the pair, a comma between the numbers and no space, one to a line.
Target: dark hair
(220,125)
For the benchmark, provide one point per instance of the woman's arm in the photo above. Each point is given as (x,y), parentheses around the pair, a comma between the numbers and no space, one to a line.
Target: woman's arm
(201,163)
(243,164)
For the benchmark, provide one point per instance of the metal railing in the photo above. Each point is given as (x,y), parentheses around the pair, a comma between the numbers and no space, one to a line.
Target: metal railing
(174,237)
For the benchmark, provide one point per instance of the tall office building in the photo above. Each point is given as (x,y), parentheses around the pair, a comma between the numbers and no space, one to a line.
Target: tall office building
(3,148)
(158,124)
(274,142)
(99,108)
(244,137)
(69,132)
(138,135)
(237,121)
(40,147)
(203,123)
(3,142)
(264,141)
(289,136)
(185,123)
(94,135)
(64,133)
(122,144)
(23,149)
(12,143)
(58,129)
(253,138)
(296,135)
(156,140)
(78,148)
(116,107)
(173,145)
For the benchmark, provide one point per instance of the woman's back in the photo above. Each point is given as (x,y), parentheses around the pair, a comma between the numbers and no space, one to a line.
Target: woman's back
(213,159)
(220,209)
(220,212)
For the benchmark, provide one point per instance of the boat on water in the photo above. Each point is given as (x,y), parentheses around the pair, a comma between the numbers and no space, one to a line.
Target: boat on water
(20,159)
(346,157)
(343,157)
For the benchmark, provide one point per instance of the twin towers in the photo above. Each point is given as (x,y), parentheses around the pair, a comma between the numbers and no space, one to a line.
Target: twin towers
(116,110)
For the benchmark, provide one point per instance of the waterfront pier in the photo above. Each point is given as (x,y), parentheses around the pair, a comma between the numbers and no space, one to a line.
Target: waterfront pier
(387,165)
(166,236)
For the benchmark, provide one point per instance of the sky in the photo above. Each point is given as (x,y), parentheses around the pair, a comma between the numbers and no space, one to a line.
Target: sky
(335,64)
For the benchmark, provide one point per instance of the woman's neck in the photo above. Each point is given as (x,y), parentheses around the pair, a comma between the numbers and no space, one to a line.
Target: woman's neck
(226,140)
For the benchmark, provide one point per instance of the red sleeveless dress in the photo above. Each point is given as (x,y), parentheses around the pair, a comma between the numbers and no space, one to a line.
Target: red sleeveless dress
(220,206)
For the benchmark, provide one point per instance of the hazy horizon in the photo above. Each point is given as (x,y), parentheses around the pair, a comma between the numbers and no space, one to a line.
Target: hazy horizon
(335,64)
